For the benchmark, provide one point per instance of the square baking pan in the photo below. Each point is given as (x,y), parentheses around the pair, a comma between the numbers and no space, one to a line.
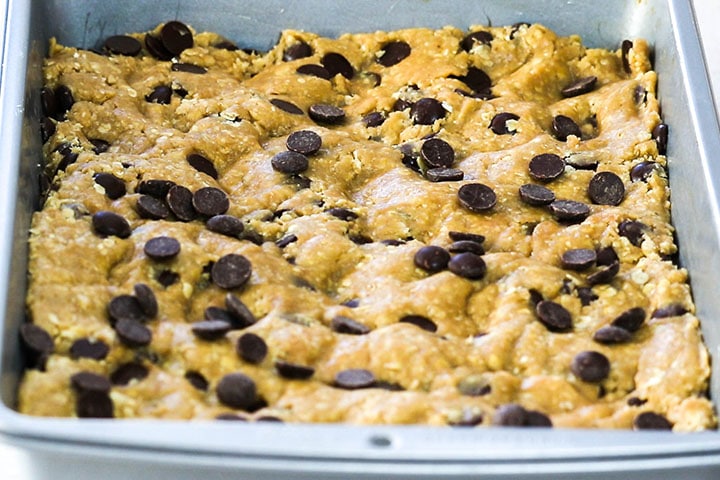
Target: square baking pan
(71,448)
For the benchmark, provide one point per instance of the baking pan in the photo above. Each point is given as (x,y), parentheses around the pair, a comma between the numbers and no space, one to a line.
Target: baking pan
(69,448)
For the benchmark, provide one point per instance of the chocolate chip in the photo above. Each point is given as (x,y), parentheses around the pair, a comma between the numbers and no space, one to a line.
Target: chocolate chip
(231,417)
(474,386)
(167,278)
(48,102)
(92,404)
(176,37)
(660,135)
(444,174)
(651,421)
(202,164)
(476,197)
(90,382)
(401,104)
(606,256)
(633,230)
(88,348)
(151,208)
(579,87)
(611,335)
(225,225)
(251,348)
(37,342)
(468,265)
(287,107)
(99,145)
(476,38)
(374,119)
(286,240)
(146,299)
(47,129)
(253,236)
(554,316)
(305,142)
(106,223)
(671,310)
(346,325)
(432,258)
(242,314)
(161,248)
(578,259)
(590,366)
(499,123)
(197,380)
(210,330)
(156,48)
(478,81)
(636,402)
(563,127)
(394,53)
(625,48)
(161,94)
(125,307)
(122,45)
(217,313)
(293,371)
(420,321)
(360,239)
(354,302)
(231,271)
(536,195)
(133,333)
(210,201)
(180,201)
(437,153)
(324,113)
(65,100)
(113,186)
(606,188)
(336,63)
(354,378)
(586,295)
(569,210)
(462,246)
(314,71)
(296,51)
(188,68)
(426,111)
(127,372)
(641,172)
(510,415)
(473,237)
(516,27)
(604,275)
(546,167)
(342,213)
(155,188)
(237,390)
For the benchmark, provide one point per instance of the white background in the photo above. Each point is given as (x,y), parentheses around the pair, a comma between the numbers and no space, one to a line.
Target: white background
(12,463)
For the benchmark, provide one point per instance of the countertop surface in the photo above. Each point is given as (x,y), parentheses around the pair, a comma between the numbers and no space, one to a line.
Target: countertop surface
(13,464)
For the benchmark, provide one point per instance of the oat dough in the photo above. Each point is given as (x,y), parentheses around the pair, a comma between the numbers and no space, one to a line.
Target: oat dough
(476,231)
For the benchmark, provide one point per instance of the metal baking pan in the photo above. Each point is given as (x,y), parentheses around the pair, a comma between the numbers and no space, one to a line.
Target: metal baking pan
(68,448)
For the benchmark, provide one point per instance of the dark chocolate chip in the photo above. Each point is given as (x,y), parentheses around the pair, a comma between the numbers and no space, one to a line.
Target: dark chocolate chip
(360,239)
(578,259)
(590,366)
(99,145)
(432,258)
(374,119)
(642,171)
(516,27)
(660,135)
(474,386)
(671,310)
(251,348)
(426,111)
(125,307)
(394,53)
(180,201)
(202,164)
(296,51)
(225,225)
(88,348)
(535,297)
(286,240)
(606,188)
(579,87)
(106,223)
(651,421)
(636,402)
(37,342)
(478,81)
(420,321)
(293,371)
(305,142)
(156,48)
(510,415)
(133,333)
(122,45)
(633,230)
(287,107)
(563,127)
(176,37)
(47,128)
(253,236)
(476,38)
(586,295)
(243,316)
(91,404)
(443,174)
(65,100)
(146,299)
(401,104)
(342,324)
(342,213)
(499,124)
(197,380)
(468,265)
(569,210)
(155,188)
(231,271)
(114,187)
(546,167)
(314,71)
(231,417)
(533,418)
(336,63)
(90,382)
(467,418)
(640,95)
(536,195)
(554,316)
(151,208)
(625,48)
(462,246)
(167,278)
(473,237)
(476,197)
(610,335)
(237,390)
(127,372)
(355,302)
(161,248)
(211,329)
(217,313)
(48,102)
(161,94)
(324,113)
(354,378)
(604,275)
(210,201)
(437,153)
(188,68)
(606,256)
